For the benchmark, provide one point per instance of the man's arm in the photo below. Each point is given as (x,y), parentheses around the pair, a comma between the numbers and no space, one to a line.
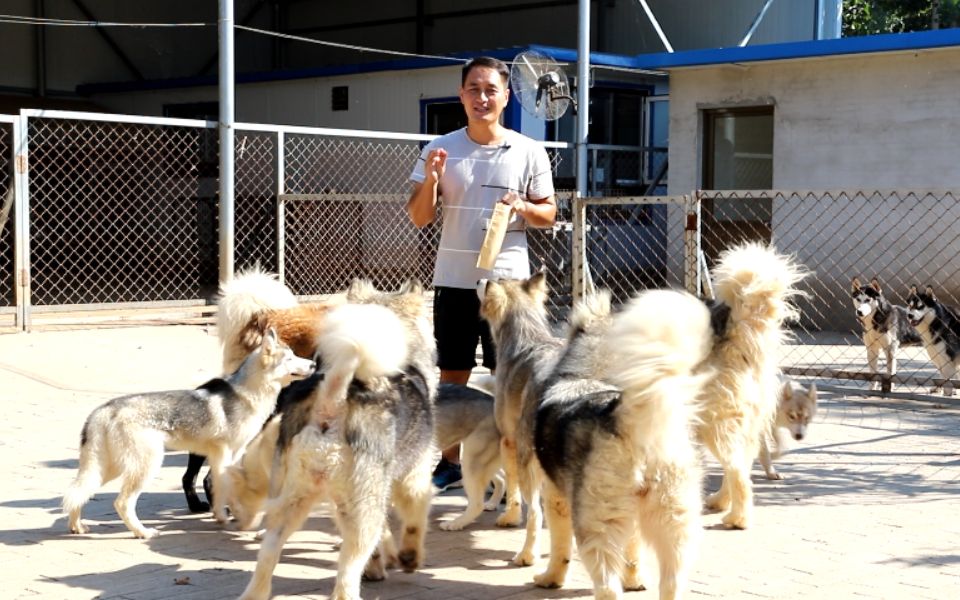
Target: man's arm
(422,205)
(539,213)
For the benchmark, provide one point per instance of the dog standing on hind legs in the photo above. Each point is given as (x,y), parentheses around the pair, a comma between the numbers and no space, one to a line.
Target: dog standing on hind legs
(363,446)
(126,436)
(939,326)
(614,435)
(526,351)
(754,285)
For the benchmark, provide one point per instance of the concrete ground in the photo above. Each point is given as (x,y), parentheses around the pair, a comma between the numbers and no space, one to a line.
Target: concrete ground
(870,507)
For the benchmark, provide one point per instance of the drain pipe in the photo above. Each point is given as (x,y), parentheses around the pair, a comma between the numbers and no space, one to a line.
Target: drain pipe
(226,131)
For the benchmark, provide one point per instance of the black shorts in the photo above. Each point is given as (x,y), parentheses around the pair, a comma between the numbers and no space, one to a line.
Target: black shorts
(457,326)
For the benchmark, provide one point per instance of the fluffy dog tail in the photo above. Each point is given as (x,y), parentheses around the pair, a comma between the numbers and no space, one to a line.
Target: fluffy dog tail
(757,284)
(652,348)
(247,295)
(361,341)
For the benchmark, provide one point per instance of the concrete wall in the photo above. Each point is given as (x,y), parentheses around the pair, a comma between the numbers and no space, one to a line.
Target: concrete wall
(870,122)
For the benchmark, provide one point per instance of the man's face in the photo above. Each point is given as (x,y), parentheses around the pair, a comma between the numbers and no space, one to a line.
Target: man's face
(484,95)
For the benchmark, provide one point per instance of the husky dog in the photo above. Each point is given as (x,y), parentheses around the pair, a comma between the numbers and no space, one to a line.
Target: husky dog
(739,402)
(939,326)
(465,416)
(526,351)
(886,326)
(362,445)
(126,436)
(796,408)
(248,305)
(614,435)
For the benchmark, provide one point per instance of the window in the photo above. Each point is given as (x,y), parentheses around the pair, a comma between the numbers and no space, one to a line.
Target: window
(738,155)
(442,116)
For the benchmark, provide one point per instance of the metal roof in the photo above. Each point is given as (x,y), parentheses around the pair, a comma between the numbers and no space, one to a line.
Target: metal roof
(893,42)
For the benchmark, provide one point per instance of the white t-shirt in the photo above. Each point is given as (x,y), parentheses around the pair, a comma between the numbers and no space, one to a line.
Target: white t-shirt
(475,179)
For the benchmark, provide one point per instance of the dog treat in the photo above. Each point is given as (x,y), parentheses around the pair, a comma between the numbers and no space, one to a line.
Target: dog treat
(494,238)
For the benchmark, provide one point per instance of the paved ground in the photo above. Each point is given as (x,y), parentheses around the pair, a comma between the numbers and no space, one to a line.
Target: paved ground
(870,507)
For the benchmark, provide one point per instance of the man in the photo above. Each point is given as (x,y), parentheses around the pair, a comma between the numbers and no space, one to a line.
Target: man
(473,169)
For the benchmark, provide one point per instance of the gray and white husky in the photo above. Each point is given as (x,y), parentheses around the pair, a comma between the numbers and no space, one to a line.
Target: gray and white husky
(126,436)
(886,326)
(796,408)
(939,326)
(362,439)
(614,436)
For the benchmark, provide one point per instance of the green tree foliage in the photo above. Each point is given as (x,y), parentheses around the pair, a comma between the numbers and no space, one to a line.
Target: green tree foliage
(868,17)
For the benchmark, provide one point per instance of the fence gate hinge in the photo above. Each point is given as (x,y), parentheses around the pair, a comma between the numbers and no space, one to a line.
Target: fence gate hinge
(21,163)
(691,222)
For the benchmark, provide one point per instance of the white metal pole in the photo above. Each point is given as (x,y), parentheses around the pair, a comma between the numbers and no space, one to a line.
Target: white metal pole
(656,25)
(583,130)
(226,140)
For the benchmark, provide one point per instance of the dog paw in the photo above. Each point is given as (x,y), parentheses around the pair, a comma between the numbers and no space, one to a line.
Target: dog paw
(775,476)
(490,506)
(146,534)
(374,571)
(198,506)
(79,528)
(509,519)
(548,580)
(733,521)
(454,525)
(524,559)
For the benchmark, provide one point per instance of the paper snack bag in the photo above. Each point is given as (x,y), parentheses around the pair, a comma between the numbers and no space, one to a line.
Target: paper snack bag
(494,238)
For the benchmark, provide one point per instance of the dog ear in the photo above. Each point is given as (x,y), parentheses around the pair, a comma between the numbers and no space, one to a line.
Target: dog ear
(536,286)
(359,289)
(412,286)
(875,284)
(270,341)
(855,285)
(913,289)
(812,393)
(929,292)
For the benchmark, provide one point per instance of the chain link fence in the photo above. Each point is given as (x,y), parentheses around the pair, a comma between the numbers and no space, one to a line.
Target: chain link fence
(901,238)
(123,213)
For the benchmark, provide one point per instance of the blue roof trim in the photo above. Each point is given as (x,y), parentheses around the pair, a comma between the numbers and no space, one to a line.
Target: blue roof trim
(892,42)
(505,54)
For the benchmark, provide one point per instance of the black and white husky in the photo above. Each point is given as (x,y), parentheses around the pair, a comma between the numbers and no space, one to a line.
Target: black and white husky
(939,326)
(886,326)
(126,436)
(363,439)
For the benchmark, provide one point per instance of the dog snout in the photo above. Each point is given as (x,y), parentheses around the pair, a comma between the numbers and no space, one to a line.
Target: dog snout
(798,436)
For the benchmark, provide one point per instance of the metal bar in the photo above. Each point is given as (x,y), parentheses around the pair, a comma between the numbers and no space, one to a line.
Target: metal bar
(852,391)
(579,247)
(281,209)
(227,136)
(615,200)
(110,42)
(620,147)
(21,251)
(692,246)
(112,118)
(884,380)
(347,133)
(244,21)
(583,95)
(755,24)
(656,25)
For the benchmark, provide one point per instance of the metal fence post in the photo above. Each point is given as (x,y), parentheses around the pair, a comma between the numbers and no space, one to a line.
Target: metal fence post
(21,251)
(579,246)
(281,212)
(692,245)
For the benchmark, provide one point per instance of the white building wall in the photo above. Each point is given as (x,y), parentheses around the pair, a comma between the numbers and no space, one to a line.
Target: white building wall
(384,101)
(869,122)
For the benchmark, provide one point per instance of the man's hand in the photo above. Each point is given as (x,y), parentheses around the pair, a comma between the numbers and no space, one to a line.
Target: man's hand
(435,165)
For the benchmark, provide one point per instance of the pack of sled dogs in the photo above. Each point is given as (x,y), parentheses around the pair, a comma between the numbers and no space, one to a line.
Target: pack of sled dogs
(925,320)
(600,433)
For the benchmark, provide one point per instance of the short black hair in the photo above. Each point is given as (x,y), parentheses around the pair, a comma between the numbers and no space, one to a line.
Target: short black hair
(486,61)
